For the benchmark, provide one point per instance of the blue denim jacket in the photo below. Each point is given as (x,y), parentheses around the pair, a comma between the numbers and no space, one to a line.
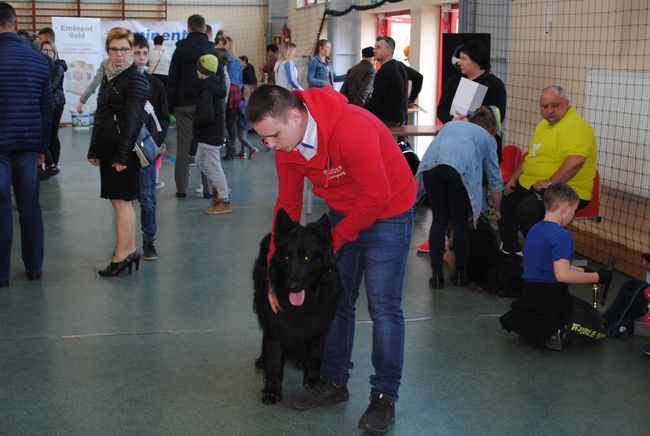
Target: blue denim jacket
(470,150)
(318,73)
(235,70)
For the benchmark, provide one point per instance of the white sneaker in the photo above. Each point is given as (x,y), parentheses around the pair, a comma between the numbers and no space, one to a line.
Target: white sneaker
(199,190)
(518,253)
(160,185)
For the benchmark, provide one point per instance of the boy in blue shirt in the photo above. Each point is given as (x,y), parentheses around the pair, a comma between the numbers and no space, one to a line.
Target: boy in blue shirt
(546,311)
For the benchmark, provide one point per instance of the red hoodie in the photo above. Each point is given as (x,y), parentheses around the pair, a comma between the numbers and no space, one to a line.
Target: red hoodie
(359,170)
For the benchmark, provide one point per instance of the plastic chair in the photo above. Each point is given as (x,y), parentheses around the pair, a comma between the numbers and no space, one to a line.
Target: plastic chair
(511,159)
(591,211)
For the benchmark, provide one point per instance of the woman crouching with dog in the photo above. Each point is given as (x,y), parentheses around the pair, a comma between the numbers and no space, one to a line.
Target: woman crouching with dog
(452,173)
(119,117)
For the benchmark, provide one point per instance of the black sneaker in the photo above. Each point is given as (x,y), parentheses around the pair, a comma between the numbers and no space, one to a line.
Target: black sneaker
(379,415)
(321,394)
(149,251)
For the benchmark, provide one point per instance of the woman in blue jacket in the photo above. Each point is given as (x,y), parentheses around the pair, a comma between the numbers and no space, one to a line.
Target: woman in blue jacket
(321,71)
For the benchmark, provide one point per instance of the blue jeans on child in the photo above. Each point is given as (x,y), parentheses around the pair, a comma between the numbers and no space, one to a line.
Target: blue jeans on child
(148,203)
(19,169)
(380,255)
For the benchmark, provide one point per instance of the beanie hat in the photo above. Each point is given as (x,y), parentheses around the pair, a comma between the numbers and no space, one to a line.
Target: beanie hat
(207,64)
(368,52)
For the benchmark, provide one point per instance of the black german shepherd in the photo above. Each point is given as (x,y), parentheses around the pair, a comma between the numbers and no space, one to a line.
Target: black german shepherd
(307,285)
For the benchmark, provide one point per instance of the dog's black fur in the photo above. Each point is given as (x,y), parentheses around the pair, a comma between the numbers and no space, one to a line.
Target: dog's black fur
(303,264)
(490,268)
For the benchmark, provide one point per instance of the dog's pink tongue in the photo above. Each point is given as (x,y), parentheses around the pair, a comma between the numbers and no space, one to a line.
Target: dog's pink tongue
(297,298)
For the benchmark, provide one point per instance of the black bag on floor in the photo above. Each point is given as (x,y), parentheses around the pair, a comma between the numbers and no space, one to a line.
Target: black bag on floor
(628,305)
(411,158)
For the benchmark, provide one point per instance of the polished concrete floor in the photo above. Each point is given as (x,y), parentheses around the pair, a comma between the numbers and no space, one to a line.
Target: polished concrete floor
(170,348)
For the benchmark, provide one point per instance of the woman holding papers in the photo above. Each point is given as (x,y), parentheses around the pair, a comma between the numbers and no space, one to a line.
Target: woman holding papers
(474,65)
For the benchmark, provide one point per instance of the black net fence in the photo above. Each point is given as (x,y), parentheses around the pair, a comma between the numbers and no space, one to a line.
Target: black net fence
(598,51)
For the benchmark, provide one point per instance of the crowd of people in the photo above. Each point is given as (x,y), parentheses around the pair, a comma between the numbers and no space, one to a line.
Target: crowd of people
(215,98)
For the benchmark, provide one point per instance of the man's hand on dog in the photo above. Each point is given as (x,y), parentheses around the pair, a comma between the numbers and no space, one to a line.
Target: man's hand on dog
(273,300)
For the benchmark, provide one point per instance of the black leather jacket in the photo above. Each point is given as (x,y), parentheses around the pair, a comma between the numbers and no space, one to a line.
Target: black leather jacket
(119,116)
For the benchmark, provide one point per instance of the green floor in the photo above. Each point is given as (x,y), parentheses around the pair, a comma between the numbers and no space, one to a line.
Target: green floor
(170,349)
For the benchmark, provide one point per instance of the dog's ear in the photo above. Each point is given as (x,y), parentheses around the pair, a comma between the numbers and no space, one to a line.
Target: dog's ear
(283,223)
(322,228)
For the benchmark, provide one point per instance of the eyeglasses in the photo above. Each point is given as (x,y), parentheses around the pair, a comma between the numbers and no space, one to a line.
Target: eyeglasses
(47,50)
(123,50)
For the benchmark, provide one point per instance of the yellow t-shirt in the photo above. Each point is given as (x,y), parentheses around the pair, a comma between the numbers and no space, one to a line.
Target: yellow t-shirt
(551,145)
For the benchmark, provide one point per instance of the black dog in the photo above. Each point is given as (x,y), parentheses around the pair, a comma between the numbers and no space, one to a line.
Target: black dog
(491,269)
(306,282)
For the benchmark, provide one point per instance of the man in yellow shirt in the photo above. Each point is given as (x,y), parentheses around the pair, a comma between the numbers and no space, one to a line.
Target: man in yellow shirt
(562,149)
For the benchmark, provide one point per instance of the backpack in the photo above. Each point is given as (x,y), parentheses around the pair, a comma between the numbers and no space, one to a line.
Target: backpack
(628,305)
(411,158)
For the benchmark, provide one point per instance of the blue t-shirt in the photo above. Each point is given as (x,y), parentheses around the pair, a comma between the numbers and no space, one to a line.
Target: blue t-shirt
(546,243)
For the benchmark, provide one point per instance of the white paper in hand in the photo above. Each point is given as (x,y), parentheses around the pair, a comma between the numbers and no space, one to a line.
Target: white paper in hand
(469,96)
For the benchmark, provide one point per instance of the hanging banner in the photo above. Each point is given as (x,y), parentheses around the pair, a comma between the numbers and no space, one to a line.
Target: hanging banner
(79,43)
(171,31)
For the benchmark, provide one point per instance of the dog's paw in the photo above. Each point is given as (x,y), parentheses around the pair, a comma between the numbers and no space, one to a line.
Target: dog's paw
(271,398)
(259,363)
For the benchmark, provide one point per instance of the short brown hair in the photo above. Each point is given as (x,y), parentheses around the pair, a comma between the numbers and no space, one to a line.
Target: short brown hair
(272,101)
(558,193)
(119,33)
(196,23)
(484,117)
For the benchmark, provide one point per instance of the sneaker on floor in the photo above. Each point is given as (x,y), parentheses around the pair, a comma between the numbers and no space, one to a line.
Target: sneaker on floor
(240,156)
(199,190)
(253,153)
(379,415)
(191,160)
(321,394)
(160,185)
(424,247)
(149,251)
(218,207)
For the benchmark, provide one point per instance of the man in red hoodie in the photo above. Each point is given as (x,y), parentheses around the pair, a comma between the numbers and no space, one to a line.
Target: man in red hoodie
(354,164)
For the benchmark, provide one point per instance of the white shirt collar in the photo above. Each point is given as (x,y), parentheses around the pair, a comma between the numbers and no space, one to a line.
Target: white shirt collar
(308,147)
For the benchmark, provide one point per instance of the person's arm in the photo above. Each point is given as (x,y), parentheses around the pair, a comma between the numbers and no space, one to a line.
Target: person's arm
(365,90)
(564,273)
(90,89)
(514,179)
(416,80)
(491,168)
(162,112)
(568,169)
(46,107)
(135,96)
(292,75)
(366,167)
(172,81)
(59,74)
(446,98)
(311,74)
(496,95)
(336,77)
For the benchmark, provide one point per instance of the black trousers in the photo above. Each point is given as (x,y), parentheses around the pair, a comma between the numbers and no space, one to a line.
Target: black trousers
(54,152)
(450,204)
(520,211)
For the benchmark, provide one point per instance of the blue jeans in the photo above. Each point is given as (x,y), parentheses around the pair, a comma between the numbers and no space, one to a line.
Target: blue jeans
(379,254)
(19,169)
(148,203)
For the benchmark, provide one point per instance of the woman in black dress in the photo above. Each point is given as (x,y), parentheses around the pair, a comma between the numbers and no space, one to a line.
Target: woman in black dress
(119,117)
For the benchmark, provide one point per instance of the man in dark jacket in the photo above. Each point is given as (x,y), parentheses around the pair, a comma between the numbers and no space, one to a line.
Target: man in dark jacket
(183,92)
(26,105)
(357,86)
(389,100)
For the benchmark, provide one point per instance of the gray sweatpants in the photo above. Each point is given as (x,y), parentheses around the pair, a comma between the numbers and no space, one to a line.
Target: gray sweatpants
(208,159)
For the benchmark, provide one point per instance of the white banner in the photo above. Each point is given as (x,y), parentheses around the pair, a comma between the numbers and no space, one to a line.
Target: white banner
(79,43)
(171,31)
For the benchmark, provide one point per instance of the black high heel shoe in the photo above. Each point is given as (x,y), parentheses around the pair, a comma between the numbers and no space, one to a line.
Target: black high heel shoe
(115,268)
